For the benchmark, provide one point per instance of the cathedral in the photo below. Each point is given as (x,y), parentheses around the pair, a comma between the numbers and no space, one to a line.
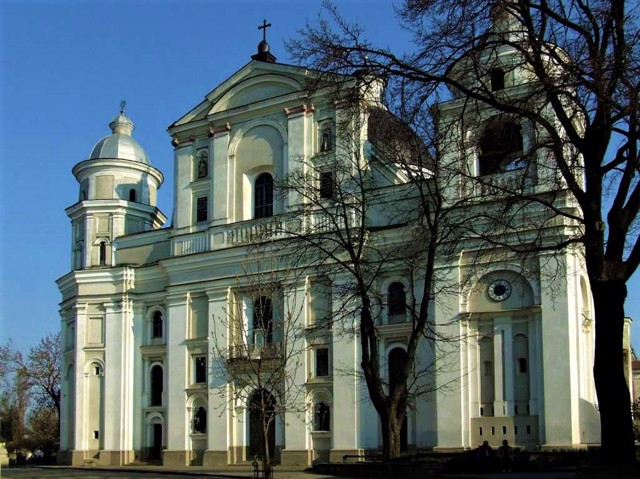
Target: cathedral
(161,319)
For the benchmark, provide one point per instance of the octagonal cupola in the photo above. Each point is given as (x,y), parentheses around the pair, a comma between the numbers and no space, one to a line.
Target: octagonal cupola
(117,195)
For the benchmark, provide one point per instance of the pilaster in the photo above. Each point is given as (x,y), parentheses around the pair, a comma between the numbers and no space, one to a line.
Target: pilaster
(219,400)
(221,171)
(298,141)
(177,372)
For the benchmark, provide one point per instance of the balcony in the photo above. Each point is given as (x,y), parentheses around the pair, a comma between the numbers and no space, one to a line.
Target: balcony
(497,184)
(253,231)
(226,236)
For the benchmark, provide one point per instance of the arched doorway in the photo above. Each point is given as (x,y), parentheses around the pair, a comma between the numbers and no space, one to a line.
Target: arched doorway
(261,418)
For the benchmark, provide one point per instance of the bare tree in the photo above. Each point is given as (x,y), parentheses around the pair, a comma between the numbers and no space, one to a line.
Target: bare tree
(366,209)
(30,383)
(581,62)
(259,349)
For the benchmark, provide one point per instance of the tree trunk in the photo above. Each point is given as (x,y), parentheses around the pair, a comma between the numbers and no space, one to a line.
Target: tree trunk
(391,431)
(613,392)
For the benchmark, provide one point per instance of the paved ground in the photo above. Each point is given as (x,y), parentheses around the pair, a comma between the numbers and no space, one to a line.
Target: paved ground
(147,472)
(158,472)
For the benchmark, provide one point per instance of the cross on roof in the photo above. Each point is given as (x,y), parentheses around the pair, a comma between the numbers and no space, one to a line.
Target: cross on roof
(264,27)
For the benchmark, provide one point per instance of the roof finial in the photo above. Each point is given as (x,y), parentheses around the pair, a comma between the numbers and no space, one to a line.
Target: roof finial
(123,103)
(264,27)
(264,55)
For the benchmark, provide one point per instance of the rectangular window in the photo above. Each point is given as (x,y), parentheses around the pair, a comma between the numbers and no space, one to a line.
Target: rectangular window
(322,362)
(522,365)
(326,185)
(202,207)
(200,369)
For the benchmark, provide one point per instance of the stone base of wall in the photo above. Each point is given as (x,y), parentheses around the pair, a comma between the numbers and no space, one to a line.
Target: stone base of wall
(115,458)
(346,455)
(63,458)
(175,458)
(215,458)
(290,457)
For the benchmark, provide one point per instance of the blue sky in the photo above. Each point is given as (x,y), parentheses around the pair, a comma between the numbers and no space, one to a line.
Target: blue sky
(64,68)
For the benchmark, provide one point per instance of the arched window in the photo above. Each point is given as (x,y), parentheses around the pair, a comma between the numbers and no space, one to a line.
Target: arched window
(397,303)
(322,417)
(132,194)
(263,201)
(262,321)
(156,385)
(156,327)
(103,253)
(397,361)
(501,147)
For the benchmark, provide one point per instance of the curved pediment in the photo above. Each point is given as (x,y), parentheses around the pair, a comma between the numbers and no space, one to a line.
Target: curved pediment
(255,89)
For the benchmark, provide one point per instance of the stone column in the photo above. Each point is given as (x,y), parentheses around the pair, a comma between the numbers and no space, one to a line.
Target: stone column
(79,443)
(139,330)
(503,360)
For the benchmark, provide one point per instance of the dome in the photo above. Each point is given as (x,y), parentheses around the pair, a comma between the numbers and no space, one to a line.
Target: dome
(120,144)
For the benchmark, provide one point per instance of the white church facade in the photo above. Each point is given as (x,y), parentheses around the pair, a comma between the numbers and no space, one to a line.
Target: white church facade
(147,308)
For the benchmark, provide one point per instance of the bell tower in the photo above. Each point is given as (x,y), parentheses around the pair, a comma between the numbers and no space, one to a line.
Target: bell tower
(117,196)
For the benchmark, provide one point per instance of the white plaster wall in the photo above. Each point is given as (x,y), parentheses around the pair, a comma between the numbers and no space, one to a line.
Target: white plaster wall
(219,401)
(178,369)
(558,355)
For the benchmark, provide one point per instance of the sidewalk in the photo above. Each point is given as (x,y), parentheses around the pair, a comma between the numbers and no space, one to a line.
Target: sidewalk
(246,472)
(232,472)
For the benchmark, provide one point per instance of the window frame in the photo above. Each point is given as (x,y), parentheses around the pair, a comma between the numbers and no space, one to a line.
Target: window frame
(263,195)
(316,362)
(198,210)
(157,321)
(199,370)
(326,185)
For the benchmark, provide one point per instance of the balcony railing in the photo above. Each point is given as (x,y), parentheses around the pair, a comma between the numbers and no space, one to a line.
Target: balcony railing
(253,231)
(251,351)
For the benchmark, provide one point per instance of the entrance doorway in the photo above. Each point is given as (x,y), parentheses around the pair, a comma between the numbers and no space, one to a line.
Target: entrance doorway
(156,448)
(261,416)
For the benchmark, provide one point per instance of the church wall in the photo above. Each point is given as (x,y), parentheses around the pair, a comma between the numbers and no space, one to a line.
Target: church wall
(142,255)
(206,294)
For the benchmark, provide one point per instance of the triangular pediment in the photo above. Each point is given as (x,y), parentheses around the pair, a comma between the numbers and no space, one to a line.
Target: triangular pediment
(254,82)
